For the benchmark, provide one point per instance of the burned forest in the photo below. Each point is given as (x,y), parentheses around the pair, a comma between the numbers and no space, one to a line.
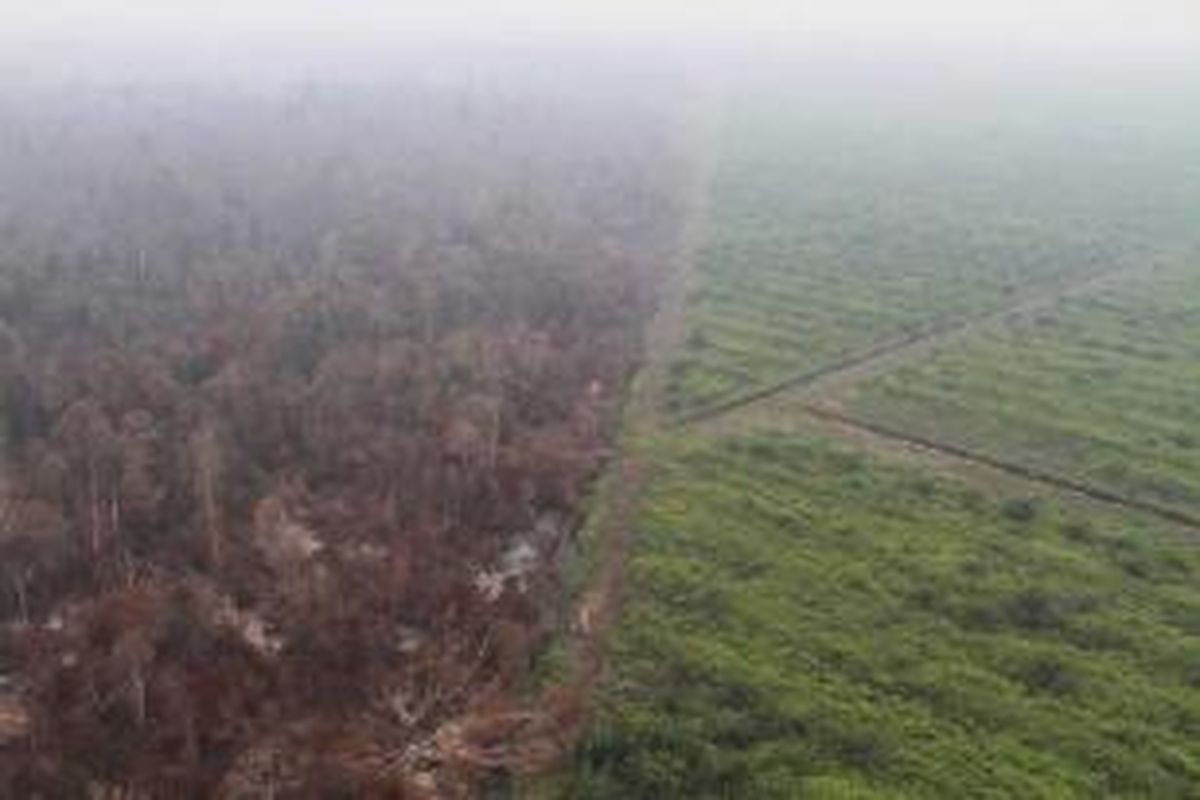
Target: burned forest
(304,388)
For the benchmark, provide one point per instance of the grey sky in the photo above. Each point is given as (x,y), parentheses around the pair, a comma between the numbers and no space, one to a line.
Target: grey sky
(53,40)
(1084,22)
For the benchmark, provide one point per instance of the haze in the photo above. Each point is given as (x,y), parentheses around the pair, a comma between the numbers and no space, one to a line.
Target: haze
(1145,29)
(601,399)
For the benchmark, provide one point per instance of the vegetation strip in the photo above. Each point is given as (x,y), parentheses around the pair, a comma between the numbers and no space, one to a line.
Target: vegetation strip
(1028,473)
(619,494)
(896,346)
(804,621)
(1104,389)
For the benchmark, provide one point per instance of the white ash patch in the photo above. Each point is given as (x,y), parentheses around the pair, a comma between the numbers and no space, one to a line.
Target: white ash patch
(515,566)
(15,720)
(282,538)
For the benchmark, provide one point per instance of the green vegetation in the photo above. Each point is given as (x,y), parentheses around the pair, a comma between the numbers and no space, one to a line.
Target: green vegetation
(1103,388)
(835,229)
(802,622)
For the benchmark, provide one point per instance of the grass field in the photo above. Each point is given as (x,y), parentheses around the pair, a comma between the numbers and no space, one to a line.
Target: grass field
(836,230)
(1103,388)
(810,619)
(805,623)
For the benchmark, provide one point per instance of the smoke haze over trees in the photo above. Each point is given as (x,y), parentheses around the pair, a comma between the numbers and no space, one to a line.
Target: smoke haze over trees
(302,385)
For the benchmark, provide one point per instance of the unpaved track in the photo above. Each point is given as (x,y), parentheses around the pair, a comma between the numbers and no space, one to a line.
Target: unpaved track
(1033,476)
(893,352)
(994,475)
(666,331)
(642,417)
(535,739)
(621,490)
(814,402)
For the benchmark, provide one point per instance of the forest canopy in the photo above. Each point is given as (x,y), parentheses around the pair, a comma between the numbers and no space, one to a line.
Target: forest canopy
(302,387)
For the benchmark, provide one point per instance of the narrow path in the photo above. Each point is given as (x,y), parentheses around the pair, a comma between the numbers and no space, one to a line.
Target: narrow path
(531,740)
(620,493)
(890,353)
(994,475)
(628,474)
(853,427)
(666,331)
(815,402)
